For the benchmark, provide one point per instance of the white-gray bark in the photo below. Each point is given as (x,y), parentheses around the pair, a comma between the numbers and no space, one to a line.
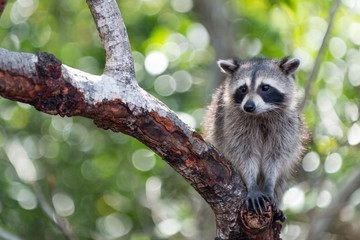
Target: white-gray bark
(115,101)
(114,38)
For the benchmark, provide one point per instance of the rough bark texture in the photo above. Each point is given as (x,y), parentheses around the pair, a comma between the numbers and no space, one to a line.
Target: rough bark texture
(115,101)
(113,37)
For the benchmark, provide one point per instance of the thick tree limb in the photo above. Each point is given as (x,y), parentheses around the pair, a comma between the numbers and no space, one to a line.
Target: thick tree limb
(41,80)
(115,101)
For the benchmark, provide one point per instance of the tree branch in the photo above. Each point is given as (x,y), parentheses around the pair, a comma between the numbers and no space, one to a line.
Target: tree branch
(114,37)
(42,81)
(59,222)
(315,69)
(115,101)
(213,14)
(7,235)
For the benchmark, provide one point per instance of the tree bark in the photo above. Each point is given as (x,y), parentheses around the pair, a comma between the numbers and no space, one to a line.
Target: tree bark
(115,101)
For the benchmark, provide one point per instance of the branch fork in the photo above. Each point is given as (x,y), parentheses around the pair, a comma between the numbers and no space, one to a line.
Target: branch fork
(115,101)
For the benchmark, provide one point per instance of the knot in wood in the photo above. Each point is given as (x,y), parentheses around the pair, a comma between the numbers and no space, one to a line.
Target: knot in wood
(255,224)
(48,66)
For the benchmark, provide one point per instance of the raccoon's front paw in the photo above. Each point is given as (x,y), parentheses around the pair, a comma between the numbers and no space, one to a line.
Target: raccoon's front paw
(257,200)
(279,215)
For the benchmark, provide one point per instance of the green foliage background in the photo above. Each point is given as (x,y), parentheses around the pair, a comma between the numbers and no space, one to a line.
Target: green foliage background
(110,186)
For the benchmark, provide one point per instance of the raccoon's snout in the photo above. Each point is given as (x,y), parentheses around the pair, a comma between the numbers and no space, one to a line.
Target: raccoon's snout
(249,106)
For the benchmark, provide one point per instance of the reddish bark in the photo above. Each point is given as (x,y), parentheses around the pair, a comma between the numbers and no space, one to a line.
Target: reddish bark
(198,162)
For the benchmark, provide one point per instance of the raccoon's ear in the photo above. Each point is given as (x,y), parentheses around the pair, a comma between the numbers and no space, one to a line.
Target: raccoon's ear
(229,66)
(289,65)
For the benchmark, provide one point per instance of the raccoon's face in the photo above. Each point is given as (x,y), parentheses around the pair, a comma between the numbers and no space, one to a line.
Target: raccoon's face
(261,85)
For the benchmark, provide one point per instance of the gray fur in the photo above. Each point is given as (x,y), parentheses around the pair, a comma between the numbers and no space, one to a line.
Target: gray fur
(264,146)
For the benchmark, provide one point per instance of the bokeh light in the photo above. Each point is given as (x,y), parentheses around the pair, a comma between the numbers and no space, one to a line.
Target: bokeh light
(110,186)
(294,199)
(198,35)
(156,62)
(333,163)
(347,213)
(27,199)
(23,165)
(353,74)
(165,85)
(183,81)
(354,33)
(311,161)
(114,226)
(323,199)
(143,159)
(169,227)
(63,204)
(182,5)
(354,134)
(351,112)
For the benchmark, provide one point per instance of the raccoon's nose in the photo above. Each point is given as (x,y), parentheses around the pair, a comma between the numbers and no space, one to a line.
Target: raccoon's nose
(249,106)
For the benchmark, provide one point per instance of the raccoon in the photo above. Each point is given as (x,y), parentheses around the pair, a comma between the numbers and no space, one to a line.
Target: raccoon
(254,120)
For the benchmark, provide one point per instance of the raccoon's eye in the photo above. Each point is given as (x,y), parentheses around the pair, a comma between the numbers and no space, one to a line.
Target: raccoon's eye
(243,89)
(265,88)
(240,93)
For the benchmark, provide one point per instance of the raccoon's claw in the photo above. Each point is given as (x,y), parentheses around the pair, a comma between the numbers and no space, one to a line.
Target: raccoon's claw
(279,215)
(257,201)
(271,201)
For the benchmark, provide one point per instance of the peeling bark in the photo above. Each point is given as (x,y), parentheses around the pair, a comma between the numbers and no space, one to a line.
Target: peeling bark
(44,83)
(115,101)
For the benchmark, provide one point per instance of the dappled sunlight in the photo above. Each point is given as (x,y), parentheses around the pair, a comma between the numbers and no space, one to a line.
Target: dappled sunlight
(114,226)
(311,161)
(63,204)
(156,62)
(109,185)
(182,5)
(294,199)
(165,85)
(143,159)
(26,199)
(323,199)
(23,165)
(333,163)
